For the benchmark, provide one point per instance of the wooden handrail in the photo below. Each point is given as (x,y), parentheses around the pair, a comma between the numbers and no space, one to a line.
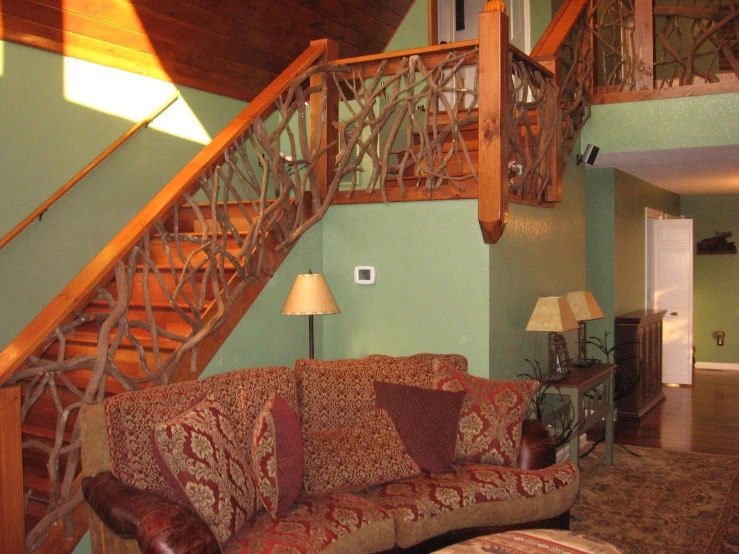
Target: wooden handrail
(28,340)
(559,28)
(38,212)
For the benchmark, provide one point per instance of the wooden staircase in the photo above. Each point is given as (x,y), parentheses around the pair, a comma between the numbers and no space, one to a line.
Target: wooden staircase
(136,350)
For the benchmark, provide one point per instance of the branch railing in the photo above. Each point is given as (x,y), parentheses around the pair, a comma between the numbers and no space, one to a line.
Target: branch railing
(39,212)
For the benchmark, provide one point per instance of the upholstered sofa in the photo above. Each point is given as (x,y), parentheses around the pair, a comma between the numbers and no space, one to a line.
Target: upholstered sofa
(353,456)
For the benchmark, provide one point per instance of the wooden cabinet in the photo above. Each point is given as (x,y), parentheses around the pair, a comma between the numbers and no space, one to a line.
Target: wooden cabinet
(639,359)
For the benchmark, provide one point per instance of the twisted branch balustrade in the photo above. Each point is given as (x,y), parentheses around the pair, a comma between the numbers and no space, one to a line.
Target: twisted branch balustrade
(532,121)
(407,120)
(699,39)
(576,80)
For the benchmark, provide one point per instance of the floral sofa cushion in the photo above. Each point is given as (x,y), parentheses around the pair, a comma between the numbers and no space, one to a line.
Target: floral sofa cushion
(131,417)
(340,393)
(478,495)
(492,415)
(333,522)
(368,453)
(198,452)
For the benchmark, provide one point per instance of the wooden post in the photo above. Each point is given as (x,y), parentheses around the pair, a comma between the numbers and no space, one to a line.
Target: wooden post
(12,510)
(493,79)
(644,44)
(328,133)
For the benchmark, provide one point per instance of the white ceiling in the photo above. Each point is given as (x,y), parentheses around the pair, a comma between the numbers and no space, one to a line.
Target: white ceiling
(704,170)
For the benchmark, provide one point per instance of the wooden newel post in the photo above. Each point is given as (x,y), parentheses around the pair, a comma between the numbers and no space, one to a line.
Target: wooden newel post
(12,507)
(324,119)
(493,82)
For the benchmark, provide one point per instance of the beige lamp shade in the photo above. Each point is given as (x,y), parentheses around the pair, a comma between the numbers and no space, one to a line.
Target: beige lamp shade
(552,313)
(310,295)
(584,305)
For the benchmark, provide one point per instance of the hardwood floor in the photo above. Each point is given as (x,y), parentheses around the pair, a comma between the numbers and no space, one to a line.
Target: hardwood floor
(701,418)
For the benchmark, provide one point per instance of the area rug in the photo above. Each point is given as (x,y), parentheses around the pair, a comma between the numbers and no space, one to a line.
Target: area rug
(660,502)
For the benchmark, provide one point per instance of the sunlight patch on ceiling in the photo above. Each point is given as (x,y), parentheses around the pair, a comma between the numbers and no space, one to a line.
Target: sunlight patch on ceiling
(2,49)
(130,96)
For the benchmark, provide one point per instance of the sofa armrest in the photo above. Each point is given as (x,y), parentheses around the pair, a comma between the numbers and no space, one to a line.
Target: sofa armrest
(537,446)
(159,525)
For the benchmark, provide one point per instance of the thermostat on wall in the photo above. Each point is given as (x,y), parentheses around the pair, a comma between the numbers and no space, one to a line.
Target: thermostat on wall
(364,275)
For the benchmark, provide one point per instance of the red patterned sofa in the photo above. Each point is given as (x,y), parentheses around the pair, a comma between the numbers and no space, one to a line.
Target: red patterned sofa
(351,456)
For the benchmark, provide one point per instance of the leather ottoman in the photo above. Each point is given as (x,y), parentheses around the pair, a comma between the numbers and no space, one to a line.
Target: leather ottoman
(536,541)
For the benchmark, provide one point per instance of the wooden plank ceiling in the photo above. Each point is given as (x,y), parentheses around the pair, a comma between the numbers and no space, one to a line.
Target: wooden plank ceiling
(229,47)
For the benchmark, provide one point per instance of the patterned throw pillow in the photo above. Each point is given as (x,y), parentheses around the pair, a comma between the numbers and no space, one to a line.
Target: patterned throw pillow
(492,415)
(277,455)
(357,457)
(198,452)
(426,421)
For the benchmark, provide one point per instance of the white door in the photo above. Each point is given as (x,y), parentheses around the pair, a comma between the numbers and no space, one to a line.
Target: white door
(673,291)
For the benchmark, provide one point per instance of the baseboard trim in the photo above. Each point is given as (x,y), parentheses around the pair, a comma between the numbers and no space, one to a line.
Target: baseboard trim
(715,365)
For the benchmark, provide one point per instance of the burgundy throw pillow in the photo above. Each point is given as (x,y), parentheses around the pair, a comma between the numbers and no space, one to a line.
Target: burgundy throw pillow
(353,458)
(426,420)
(492,415)
(277,455)
(199,452)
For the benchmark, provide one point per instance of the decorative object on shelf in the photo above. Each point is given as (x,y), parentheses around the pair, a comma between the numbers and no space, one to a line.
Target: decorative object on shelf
(553,314)
(717,245)
(585,309)
(310,296)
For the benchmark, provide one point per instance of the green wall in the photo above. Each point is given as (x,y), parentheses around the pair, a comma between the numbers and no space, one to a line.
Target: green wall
(633,195)
(715,289)
(616,230)
(541,253)
(45,139)
(676,123)
(541,16)
(601,244)
(431,292)
(264,336)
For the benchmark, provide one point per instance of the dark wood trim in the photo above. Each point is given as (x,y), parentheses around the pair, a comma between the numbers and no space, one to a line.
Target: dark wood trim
(686,91)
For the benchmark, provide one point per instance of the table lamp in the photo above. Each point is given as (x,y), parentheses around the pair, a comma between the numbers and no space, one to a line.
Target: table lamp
(553,314)
(585,309)
(310,296)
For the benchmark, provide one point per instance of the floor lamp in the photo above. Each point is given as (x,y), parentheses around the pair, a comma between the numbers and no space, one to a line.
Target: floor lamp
(310,296)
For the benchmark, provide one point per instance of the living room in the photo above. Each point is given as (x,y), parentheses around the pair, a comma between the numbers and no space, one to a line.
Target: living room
(438,288)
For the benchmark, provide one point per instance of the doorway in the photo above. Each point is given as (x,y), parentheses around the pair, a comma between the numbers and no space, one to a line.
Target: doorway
(669,287)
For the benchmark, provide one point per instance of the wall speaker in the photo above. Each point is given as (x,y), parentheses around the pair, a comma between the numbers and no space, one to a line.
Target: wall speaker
(591,152)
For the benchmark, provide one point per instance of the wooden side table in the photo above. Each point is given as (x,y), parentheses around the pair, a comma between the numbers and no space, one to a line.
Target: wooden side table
(590,403)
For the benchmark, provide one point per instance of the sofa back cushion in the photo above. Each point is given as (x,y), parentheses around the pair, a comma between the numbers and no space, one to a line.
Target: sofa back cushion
(200,455)
(356,457)
(492,415)
(339,393)
(132,416)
